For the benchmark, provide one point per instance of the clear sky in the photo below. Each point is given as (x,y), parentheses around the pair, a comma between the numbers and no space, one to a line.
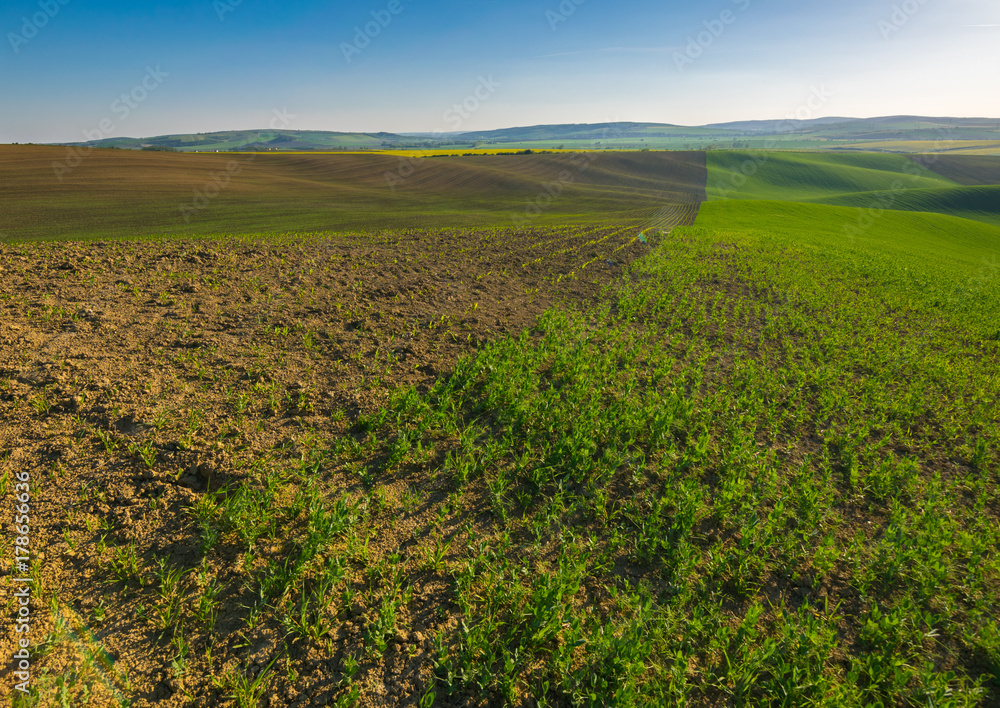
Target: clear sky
(402,65)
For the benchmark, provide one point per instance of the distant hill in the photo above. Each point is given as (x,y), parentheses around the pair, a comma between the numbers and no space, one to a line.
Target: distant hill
(820,130)
(778,126)
(265,140)
(881,134)
(576,131)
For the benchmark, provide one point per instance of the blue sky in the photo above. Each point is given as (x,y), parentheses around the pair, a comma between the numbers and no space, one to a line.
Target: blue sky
(65,65)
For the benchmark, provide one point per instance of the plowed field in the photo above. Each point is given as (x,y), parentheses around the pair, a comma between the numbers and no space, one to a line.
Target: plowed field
(190,412)
(50,192)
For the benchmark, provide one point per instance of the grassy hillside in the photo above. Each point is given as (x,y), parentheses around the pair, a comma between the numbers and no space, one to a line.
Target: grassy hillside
(805,176)
(867,181)
(117,193)
(932,262)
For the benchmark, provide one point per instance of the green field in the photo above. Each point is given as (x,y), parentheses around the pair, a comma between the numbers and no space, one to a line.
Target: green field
(775,454)
(765,473)
(867,181)
(753,461)
(809,176)
(928,262)
(768,463)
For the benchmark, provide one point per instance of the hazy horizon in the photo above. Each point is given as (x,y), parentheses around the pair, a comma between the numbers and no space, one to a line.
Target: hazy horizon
(509,127)
(71,71)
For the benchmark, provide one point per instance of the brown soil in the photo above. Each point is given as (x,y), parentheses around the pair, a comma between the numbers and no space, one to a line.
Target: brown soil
(220,360)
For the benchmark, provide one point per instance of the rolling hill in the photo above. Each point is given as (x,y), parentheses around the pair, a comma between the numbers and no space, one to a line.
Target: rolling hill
(865,181)
(117,193)
(807,176)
